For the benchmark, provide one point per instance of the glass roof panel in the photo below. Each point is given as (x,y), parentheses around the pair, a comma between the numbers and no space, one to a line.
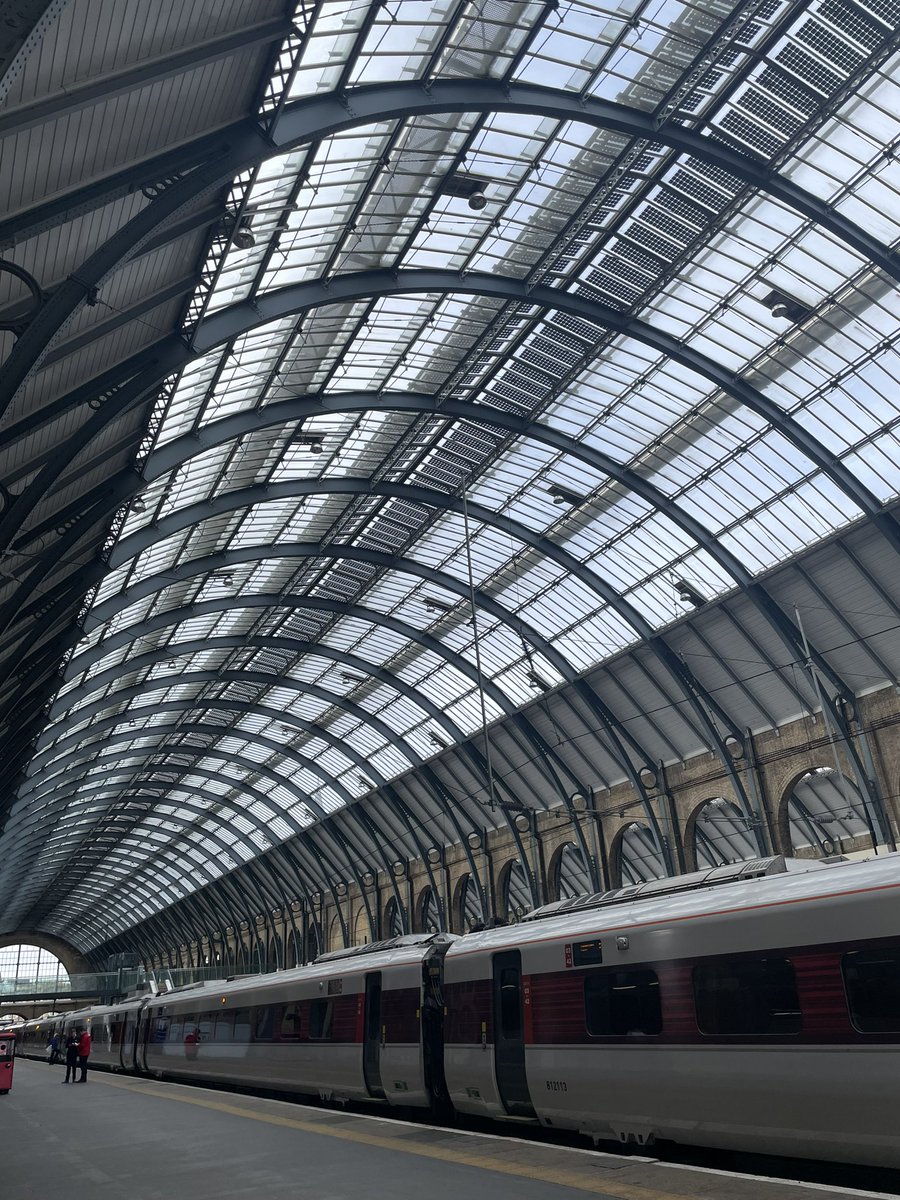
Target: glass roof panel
(638,468)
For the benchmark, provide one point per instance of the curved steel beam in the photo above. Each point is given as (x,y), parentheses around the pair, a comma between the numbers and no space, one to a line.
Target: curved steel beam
(236,642)
(243,145)
(87,796)
(182,572)
(123,696)
(228,323)
(32,817)
(52,753)
(49,741)
(134,856)
(301,725)
(68,762)
(204,566)
(89,792)
(226,502)
(309,119)
(701,703)
(198,752)
(216,702)
(243,785)
(371,616)
(121,912)
(43,784)
(261,678)
(264,642)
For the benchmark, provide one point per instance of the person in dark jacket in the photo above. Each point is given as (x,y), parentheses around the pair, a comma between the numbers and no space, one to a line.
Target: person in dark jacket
(72,1054)
(53,1050)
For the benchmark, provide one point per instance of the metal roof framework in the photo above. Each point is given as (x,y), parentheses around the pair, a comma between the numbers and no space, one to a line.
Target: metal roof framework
(299,441)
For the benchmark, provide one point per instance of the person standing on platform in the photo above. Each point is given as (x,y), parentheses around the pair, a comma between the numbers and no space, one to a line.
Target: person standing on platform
(72,1055)
(84,1053)
(53,1050)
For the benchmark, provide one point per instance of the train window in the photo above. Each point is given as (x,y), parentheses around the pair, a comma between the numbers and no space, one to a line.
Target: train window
(320,1014)
(510,1003)
(263,1024)
(224,1031)
(617,1003)
(242,1026)
(289,1025)
(872,984)
(754,997)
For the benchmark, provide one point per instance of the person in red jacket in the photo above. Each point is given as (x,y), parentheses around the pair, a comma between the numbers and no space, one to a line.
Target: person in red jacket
(84,1053)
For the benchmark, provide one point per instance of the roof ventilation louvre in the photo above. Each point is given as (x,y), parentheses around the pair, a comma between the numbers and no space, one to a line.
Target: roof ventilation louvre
(754,868)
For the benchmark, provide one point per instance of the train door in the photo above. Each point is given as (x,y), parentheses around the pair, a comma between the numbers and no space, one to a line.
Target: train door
(143,1037)
(372,1036)
(509,1035)
(128,1044)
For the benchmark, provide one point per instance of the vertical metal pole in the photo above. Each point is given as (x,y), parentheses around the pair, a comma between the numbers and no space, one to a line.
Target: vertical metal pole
(489,770)
(810,666)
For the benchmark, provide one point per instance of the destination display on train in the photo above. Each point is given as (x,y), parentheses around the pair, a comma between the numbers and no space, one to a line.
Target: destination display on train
(584,954)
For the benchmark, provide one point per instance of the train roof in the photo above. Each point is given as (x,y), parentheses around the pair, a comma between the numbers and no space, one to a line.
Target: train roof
(409,948)
(687,897)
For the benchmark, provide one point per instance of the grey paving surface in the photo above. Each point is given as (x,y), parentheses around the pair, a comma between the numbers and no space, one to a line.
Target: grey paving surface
(129,1139)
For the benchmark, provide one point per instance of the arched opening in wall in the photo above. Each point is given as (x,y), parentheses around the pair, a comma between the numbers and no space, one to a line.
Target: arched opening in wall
(335,934)
(313,941)
(467,908)
(239,954)
(636,857)
(292,952)
(722,834)
(393,919)
(31,968)
(428,914)
(514,893)
(826,815)
(257,955)
(569,873)
(361,927)
(276,953)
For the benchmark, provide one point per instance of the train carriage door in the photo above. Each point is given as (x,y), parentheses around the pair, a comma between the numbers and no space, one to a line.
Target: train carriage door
(509,1035)
(372,1036)
(127,1050)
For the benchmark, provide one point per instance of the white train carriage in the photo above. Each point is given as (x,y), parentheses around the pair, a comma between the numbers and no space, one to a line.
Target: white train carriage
(761,1016)
(33,1037)
(348,1027)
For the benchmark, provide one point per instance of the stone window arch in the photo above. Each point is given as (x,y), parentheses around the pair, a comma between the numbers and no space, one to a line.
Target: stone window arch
(569,873)
(467,908)
(428,912)
(335,934)
(394,923)
(361,927)
(32,968)
(314,940)
(514,892)
(823,813)
(636,857)
(292,952)
(720,834)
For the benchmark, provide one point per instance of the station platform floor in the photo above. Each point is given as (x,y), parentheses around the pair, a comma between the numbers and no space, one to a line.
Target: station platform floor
(118,1137)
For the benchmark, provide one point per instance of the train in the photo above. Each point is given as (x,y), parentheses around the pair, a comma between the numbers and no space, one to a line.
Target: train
(751,1007)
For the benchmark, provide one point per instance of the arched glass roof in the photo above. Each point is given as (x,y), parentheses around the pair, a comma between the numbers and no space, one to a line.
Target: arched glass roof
(529,330)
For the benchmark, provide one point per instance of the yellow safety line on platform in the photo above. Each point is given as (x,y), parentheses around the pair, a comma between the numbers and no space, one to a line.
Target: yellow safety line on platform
(569,1179)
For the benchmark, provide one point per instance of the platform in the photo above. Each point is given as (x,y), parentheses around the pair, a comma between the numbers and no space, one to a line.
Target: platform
(119,1137)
